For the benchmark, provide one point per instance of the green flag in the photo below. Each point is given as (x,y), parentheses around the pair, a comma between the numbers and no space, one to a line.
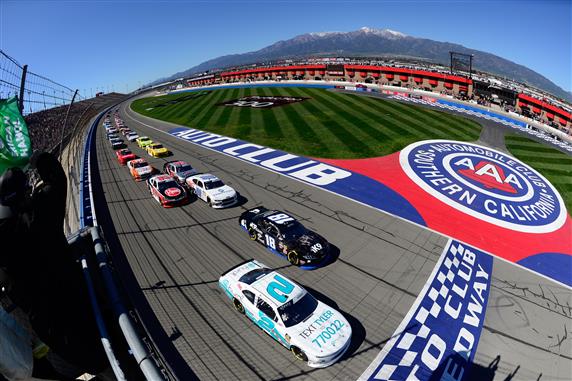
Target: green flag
(15,147)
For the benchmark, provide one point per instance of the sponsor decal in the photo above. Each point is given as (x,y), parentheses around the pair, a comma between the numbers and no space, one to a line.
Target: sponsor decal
(172,192)
(486,184)
(259,101)
(438,338)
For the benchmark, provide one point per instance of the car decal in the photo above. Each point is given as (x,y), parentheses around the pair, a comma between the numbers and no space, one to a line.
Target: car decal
(282,285)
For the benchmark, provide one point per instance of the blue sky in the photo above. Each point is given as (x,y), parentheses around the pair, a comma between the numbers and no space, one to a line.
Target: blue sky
(122,44)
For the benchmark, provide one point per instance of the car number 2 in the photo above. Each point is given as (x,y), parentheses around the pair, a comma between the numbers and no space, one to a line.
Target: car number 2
(282,285)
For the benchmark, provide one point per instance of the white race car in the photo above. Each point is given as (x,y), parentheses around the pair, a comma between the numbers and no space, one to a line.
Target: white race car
(212,190)
(311,330)
(132,136)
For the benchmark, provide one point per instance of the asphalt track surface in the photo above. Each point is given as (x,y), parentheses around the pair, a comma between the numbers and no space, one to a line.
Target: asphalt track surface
(177,255)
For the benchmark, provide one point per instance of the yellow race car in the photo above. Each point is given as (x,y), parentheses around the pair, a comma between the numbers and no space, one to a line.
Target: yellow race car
(143,141)
(157,150)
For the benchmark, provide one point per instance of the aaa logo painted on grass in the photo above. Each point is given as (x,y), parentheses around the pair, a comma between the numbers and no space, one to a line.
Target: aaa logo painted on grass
(486,184)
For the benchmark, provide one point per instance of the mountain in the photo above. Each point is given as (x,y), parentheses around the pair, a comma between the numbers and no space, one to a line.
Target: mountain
(376,43)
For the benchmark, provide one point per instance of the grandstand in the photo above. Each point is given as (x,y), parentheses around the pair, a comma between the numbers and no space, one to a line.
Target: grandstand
(481,88)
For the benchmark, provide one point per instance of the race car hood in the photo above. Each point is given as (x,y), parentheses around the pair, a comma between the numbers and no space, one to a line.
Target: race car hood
(221,193)
(323,333)
(173,192)
(144,170)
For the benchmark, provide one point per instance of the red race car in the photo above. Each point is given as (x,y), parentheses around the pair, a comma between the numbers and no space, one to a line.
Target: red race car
(125,155)
(167,191)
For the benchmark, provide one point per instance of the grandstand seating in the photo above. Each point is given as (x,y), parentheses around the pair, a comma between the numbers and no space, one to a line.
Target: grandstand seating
(539,106)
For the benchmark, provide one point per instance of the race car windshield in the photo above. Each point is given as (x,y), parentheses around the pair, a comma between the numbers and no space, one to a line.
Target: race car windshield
(293,229)
(157,146)
(166,185)
(185,168)
(139,165)
(252,276)
(126,152)
(294,313)
(214,184)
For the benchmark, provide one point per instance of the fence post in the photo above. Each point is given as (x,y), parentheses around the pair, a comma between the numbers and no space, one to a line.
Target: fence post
(64,125)
(22,86)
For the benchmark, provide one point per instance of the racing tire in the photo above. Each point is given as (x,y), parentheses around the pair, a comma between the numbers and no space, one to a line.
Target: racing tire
(293,258)
(238,305)
(298,353)
(252,234)
(209,202)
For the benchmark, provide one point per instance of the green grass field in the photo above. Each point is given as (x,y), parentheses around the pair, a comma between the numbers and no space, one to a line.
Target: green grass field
(556,166)
(328,125)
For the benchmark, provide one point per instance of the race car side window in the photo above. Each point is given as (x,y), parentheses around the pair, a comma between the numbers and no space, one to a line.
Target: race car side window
(271,229)
(265,307)
(249,295)
(200,184)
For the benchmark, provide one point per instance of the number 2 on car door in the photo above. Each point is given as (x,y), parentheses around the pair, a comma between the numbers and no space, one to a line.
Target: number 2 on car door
(270,242)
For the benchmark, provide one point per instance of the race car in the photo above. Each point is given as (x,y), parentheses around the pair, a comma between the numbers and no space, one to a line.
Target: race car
(117,143)
(140,169)
(179,170)
(125,155)
(157,150)
(111,130)
(313,331)
(212,190)
(132,136)
(167,191)
(283,235)
(143,141)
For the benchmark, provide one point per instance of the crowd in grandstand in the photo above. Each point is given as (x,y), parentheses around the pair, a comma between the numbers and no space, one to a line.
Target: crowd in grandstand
(483,89)
(45,127)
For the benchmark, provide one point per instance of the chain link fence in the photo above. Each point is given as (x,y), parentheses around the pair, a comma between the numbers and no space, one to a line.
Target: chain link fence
(53,112)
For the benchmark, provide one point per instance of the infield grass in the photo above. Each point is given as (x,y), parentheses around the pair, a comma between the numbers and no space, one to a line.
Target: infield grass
(328,125)
(555,165)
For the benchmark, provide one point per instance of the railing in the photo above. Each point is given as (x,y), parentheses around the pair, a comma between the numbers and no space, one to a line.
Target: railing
(88,218)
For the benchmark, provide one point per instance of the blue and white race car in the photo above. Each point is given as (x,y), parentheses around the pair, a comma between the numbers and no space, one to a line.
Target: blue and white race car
(311,330)
(212,190)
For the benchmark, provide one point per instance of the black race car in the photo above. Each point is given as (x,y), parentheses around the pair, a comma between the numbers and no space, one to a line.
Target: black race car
(283,235)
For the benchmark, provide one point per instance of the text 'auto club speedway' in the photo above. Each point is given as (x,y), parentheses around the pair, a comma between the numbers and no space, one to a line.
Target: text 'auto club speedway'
(419,303)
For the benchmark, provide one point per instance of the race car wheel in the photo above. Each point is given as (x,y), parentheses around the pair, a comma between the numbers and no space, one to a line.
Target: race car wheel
(298,353)
(252,234)
(209,202)
(238,305)
(293,258)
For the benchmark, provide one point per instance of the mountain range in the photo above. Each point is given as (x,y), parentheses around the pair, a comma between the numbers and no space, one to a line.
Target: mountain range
(370,42)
